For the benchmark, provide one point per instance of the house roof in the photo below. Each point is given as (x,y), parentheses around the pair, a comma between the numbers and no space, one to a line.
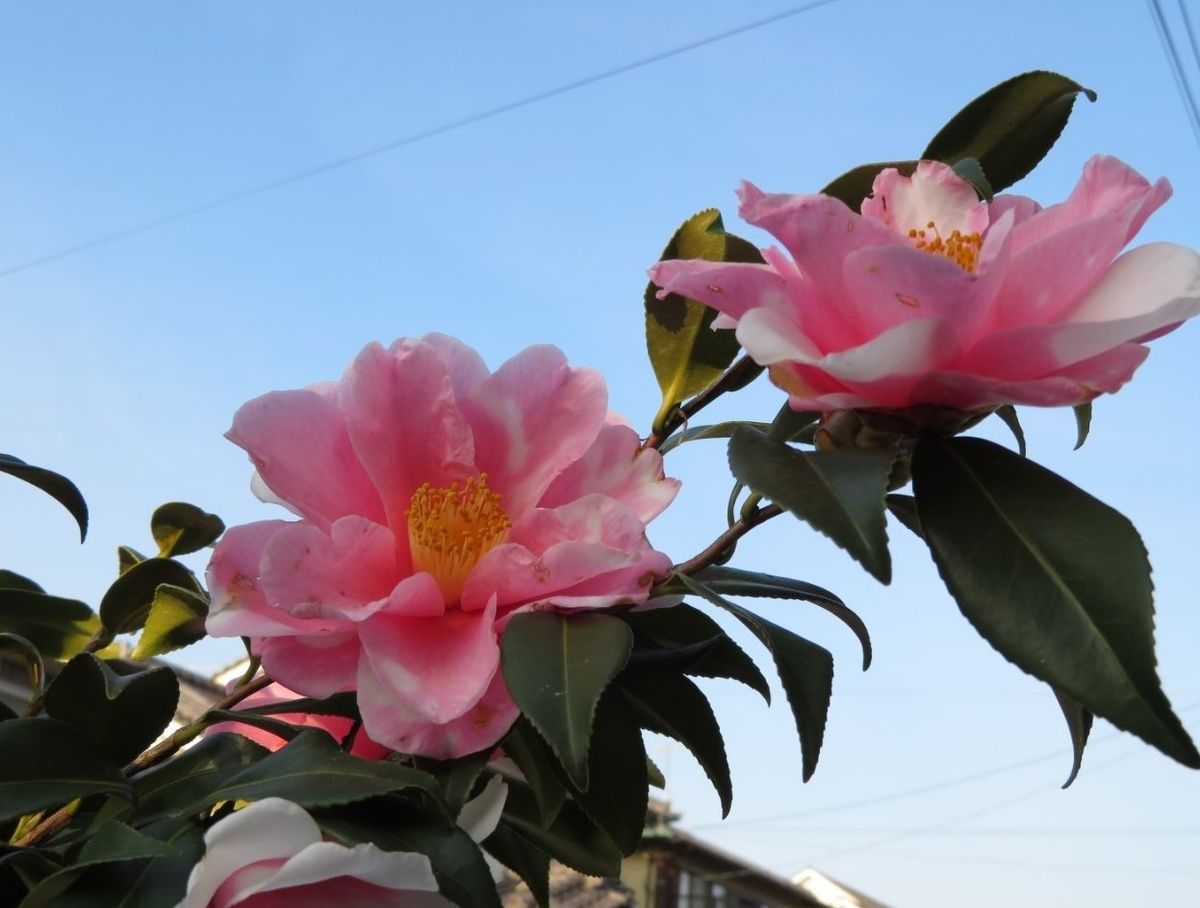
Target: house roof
(568,889)
(830,893)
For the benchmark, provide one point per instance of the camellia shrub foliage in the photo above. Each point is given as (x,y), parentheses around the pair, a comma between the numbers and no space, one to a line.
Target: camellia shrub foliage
(461,631)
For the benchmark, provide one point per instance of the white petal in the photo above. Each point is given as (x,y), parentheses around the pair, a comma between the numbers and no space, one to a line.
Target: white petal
(399,870)
(262,491)
(479,816)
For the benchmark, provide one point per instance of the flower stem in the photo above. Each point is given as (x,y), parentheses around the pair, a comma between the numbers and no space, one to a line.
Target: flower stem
(735,378)
(719,545)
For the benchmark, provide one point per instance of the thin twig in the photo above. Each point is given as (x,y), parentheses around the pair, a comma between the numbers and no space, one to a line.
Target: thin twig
(726,539)
(737,376)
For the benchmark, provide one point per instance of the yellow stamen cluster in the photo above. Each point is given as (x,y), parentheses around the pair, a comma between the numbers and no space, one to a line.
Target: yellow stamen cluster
(961,248)
(450,529)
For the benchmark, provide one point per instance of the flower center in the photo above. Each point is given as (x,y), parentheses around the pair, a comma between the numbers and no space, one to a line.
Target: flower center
(450,529)
(962,249)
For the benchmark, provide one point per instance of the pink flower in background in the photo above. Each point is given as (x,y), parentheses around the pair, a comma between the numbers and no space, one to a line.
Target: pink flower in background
(435,499)
(336,727)
(933,297)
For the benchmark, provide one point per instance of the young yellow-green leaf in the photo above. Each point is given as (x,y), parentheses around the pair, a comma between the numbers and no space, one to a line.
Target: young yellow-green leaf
(127,558)
(180,528)
(126,604)
(120,714)
(1057,581)
(687,355)
(839,493)
(59,628)
(57,487)
(176,620)
(556,667)
(1010,128)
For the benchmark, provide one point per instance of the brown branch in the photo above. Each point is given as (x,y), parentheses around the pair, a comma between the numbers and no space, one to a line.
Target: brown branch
(736,377)
(726,539)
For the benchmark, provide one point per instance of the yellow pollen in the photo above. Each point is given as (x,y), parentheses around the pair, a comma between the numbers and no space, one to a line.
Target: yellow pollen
(450,529)
(961,248)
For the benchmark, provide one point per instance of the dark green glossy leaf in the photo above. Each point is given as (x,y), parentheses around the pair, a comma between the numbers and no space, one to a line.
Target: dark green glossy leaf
(11,580)
(343,704)
(120,714)
(1079,726)
(172,788)
(556,667)
(126,605)
(180,528)
(789,423)
(734,582)
(855,185)
(57,487)
(616,799)
(533,756)
(687,355)
(59,628)
(524,859)
(462,873)
(285,731)
(682,627)
(45,764)
(1055,580)
(839,493)
(1008,414)
(1009,128)
(312,771)
(572,839)
(904,509)
(456,778)
(971,171)
(114,841)
(1083,423)
(176,620)
(805,671)
(16,646)
(670,704)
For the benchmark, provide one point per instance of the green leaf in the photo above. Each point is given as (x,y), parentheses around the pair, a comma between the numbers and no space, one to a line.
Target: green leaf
(278,727)
(462,873)
(687,355)
(456,778)
(789,423)
(839,493)
(57,487)
(855,185)
(1008,415)
(805,671)
(45,764)
(114,841)
(670,704)
(172,788)
(59,628)
(127,558)
(1009,128)
(120,714)
(344,704)
(616,799)
(734,582)
(1083,423)
(533,756)
(16,646)
(1055,580)
(524,859)
(180,528)
(127,603)
(971,171)
(572,839)
(719,430)
(176,620)
(556,667)
(654,775)
(1079,725)
(904,509)
(682,627)
(312,771)
(11,580)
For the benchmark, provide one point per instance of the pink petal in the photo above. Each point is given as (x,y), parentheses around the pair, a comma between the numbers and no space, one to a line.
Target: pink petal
(424,669)
(933,193)
(299,445)
(315,664)
(616,466)
(480,727)
(532,417)
(464,366)
(729,287)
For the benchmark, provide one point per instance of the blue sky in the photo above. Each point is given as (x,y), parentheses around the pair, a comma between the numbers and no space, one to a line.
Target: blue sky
(124,364)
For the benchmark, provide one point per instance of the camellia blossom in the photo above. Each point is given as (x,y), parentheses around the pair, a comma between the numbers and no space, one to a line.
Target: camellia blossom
(435,499)
(271,854)
(930,296)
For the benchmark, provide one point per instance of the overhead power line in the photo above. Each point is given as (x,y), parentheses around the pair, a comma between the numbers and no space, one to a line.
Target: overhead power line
(410,139)
(1171,52)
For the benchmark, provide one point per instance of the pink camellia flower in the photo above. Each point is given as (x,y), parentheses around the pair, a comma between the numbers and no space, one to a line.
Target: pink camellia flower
(337,727)
(930,296)
(435,499)
(271,854)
